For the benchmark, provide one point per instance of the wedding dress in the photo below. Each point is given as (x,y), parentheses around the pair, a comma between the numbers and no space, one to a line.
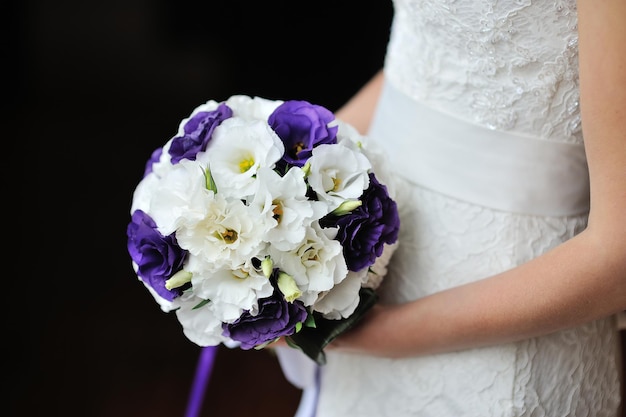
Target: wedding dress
(479,116)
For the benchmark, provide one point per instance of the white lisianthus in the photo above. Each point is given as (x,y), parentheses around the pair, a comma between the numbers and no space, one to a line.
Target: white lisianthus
(232,291)
(237,151)
(283,202)
(317,264)
(144,191)
(377,272)
(338,173)
(341,301)
(228,234)
(180,197)
(200,325)
(348,136)
(252,108)
(373,151)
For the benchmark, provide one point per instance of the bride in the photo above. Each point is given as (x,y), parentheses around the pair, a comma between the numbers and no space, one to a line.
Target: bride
(504,122)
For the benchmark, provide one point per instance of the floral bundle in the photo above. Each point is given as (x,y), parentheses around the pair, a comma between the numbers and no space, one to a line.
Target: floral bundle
(262,219)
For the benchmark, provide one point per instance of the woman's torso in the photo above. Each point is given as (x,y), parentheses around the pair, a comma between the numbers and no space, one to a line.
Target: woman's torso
(506,71)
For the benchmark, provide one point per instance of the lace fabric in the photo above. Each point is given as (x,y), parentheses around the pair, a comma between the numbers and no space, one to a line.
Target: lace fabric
(447,242)
(508,65)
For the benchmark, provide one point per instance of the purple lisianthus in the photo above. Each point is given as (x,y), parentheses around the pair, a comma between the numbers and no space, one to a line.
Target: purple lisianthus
(157,257)
(198,131)
(302,126)
(277,317)
(156,155)
(365,230)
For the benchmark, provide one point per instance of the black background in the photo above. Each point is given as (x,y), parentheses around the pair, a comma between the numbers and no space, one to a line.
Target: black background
(90,89)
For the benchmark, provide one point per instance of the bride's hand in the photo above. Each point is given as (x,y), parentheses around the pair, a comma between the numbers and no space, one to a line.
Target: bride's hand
(366,337)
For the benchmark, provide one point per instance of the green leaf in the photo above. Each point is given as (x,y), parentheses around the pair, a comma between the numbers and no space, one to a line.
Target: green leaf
(201,304)
(310,321)
(210,183)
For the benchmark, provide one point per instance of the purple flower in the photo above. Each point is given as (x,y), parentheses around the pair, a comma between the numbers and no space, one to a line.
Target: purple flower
(154,158)
(198,131)
(365,230)
(158,257)
(276,318)
(302,126)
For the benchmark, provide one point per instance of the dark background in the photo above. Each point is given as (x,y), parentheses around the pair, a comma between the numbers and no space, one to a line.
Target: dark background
(89,90)
(92,88)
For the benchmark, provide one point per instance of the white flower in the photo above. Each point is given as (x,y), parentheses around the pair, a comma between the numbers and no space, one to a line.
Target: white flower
(338,173)
(341,300)
(143,193)
(232,291)
(283,201)
(380,164)
(377,272)
(348,136)
(181,196)
(317,264)
(200,325)
(227,234)
(252,108)
(237,151)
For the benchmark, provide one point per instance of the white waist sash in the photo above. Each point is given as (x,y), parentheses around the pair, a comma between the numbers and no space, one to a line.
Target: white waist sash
(498,169)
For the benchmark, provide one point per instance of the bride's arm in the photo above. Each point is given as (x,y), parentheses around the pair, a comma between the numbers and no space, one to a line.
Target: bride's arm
(359,109)
(579,281)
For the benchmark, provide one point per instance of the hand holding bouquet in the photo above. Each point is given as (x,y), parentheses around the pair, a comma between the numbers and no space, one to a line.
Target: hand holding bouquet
(262,219)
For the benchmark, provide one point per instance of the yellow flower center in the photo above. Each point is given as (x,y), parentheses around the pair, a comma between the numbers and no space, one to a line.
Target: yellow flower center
(311,255)
(240,274)
(278,211)
(297,148)
(228,236)
(246,164)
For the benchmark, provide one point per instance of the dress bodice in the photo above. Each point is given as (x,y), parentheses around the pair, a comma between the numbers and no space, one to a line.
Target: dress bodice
(503,64)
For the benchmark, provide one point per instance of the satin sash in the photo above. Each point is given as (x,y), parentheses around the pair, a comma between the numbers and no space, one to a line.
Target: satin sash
(502,170)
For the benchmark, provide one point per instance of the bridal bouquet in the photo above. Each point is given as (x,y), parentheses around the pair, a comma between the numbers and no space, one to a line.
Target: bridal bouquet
(263,219)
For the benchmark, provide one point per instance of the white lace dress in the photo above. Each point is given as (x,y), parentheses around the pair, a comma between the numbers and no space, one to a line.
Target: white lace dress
(480,116)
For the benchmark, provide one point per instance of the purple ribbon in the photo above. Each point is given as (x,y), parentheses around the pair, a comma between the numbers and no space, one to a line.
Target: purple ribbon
(200,381)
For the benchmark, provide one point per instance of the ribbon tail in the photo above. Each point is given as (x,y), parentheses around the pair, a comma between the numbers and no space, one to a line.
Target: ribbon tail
(201,379)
